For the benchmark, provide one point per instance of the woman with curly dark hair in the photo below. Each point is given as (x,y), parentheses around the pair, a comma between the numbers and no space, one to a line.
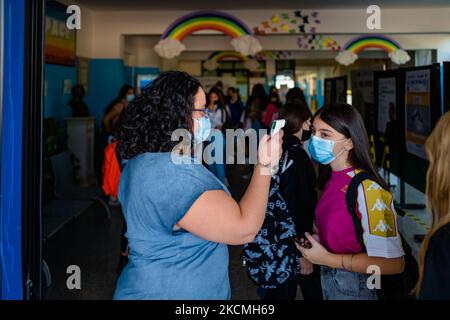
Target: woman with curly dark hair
(179,215)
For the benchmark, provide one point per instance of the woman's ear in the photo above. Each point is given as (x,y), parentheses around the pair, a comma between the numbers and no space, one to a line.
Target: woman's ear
(349,145)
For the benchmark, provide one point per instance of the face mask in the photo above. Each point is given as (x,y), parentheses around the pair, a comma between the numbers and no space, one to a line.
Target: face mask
(321,150)
(130,97)
(203,130)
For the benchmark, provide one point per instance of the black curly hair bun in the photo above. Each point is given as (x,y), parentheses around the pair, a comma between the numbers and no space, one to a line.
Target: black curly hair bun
(162,107)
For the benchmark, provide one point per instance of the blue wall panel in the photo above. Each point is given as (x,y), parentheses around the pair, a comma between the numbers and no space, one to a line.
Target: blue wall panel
(11,170)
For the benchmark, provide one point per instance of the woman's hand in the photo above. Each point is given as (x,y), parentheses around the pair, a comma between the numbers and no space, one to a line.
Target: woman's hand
(306,267)
(317,254)
(270,149)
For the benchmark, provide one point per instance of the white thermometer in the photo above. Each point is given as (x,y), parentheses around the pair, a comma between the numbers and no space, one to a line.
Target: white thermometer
(277,125)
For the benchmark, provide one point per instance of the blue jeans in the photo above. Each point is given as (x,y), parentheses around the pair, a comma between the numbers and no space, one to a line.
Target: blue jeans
(338,284)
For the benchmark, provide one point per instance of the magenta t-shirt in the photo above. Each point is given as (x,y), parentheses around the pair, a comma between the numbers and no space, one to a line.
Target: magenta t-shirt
(334,223)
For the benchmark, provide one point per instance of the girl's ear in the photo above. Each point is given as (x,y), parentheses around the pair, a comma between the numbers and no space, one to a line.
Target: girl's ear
(349,145)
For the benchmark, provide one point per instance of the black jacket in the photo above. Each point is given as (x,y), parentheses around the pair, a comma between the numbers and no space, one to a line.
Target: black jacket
(297,185)
(436,278)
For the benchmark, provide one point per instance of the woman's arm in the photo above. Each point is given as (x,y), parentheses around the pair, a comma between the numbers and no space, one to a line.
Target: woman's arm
(115,111)
(356,263)
(215,216)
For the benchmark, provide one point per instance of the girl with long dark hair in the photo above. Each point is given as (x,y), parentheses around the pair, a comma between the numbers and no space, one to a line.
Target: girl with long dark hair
(340,144)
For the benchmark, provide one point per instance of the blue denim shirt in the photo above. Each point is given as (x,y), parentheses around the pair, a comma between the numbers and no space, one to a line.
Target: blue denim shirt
(155,194)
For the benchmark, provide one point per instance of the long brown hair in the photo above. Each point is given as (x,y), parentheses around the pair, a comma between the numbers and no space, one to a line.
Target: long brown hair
(346,120)
(437,185)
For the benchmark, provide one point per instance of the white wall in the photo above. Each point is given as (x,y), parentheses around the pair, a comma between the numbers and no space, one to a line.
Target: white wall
(109,26)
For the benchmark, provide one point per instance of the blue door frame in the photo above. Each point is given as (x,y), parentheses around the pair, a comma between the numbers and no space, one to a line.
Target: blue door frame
(11,155)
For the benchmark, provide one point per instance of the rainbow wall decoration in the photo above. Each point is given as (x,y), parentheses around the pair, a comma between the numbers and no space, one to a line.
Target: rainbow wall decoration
(362,43)
(206,20)
(171,43)
(227,56)
(351,50)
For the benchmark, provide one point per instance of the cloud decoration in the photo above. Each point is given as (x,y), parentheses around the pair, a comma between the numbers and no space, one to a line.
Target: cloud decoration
(346,57)
(246,45)
(251,64)
(169,48)
(399,56)
(211,65)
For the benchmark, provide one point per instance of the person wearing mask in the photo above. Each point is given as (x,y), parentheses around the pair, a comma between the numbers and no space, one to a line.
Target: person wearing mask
(218,116)
(180,217)
(236,107)
(340,144)
(272,109)
(113,111)
(434,256)
(290,213)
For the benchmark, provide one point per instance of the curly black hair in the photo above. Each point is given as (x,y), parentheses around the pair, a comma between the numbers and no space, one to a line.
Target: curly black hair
(162,107)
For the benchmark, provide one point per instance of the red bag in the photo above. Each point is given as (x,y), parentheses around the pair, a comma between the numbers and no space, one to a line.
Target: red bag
(111,171)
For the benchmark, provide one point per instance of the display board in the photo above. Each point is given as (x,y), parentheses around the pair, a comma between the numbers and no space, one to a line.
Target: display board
(418,123)
(388,100)
(362,84)
(340,89)
(417,95)
(336,90)
(328,91)
(446,86)
(60,42)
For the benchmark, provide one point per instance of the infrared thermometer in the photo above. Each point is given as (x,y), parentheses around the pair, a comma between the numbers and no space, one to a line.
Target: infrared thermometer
(277,125)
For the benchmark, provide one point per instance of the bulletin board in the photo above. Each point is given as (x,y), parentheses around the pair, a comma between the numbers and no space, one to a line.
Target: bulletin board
(336,90)
(388,100)
(446,86)
(60,42)
(418,97)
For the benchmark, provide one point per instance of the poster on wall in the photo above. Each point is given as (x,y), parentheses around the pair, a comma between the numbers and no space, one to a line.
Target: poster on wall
(417,111)
(60,42)
(386,101)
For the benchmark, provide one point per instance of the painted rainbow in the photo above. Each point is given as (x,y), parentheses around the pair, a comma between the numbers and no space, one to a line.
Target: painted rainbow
(227,55)
(206,20)
(373,41)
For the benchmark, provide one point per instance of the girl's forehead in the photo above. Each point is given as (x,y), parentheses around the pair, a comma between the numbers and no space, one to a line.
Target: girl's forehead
(319,124)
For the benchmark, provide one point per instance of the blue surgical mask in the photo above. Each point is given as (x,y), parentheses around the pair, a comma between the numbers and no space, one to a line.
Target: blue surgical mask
(203,130)
(130,97)
(321,150)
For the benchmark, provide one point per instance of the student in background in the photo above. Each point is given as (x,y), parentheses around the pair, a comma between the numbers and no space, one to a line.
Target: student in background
(340,143)
(218,116)
(236,107)
(290,212)
(272,110)
(114,109)
(112,119)
(296,96)
(434,258)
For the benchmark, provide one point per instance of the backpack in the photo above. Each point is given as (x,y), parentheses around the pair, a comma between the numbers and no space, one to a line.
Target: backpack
(393,287)
(111,170)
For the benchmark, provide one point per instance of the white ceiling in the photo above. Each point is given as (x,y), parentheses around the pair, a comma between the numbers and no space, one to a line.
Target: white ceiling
(136,5)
